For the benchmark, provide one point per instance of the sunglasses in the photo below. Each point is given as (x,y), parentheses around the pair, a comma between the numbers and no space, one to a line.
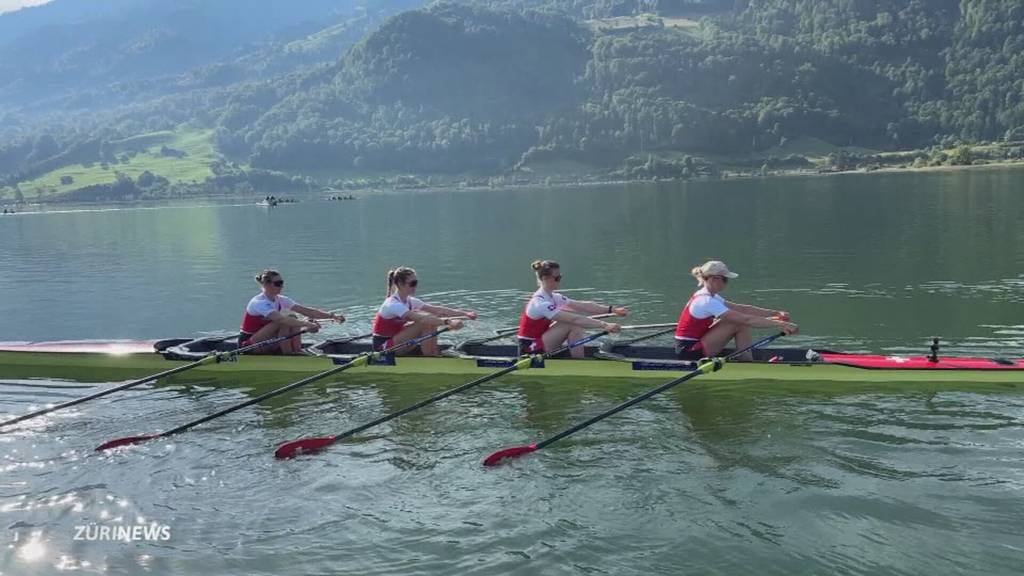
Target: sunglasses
(557,278)
(413,283)
(724,279)
(277,283)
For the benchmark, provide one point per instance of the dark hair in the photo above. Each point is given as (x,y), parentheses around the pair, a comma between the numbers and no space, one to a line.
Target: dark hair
(399,276)
(544,268)
(266,276)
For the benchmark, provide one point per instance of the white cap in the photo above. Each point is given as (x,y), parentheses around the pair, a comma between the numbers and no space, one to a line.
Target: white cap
(716,268)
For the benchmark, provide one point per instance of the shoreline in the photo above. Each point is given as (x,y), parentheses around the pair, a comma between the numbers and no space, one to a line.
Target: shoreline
(322,195)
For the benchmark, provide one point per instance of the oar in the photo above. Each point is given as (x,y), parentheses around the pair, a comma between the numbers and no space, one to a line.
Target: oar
(341,341)
(361,360)
(210,359)
(648,326)
(310,445)
(645,337)
(710,365)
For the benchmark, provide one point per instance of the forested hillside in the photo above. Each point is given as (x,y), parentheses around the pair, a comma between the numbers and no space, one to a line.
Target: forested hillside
(495,88)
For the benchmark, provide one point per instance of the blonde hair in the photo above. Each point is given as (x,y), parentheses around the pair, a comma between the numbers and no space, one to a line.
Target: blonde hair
(398,276)
(544,268)
(266,276)
(698,274)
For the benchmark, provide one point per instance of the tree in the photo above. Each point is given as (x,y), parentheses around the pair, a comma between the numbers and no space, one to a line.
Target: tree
(146,179)
(962,156)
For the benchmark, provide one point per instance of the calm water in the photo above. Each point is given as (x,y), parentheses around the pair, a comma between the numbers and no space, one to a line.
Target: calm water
(705,479)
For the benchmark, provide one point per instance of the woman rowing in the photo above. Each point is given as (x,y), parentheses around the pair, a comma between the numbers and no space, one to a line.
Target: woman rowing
(550,319)
(708,321)
(403,316)
(267,317)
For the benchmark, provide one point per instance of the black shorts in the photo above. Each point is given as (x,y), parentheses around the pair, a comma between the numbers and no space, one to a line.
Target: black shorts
(689,349)
(529,346)
(382,342)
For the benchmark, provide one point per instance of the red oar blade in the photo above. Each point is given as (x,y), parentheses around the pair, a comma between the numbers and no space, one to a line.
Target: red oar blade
(126,441)
(304,446)
(497,457)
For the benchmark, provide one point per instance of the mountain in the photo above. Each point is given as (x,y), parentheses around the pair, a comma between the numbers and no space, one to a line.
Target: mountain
(70,46)
(341,91)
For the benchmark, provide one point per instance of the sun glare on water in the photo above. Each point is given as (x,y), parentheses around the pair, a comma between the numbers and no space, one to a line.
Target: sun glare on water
(33,550)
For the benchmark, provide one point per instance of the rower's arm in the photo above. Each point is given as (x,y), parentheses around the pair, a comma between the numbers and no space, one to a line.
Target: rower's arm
(288,320)
(317,313)
(751,310)
(579,320)
(446,311)
(422,315)
(593,308)
(757,321)
(586,307)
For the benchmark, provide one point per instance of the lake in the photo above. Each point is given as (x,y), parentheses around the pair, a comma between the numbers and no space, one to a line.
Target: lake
(743,479)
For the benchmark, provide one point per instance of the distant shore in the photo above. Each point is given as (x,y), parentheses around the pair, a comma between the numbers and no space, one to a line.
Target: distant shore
(412,183)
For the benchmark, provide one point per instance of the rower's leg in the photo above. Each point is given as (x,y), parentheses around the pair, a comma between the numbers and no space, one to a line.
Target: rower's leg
(269,331)
(557,334)
(429,346)
(720,334)
(742,341)
(414,330)
(294,344)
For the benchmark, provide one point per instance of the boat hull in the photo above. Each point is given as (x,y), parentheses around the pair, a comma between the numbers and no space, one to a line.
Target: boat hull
(80,366)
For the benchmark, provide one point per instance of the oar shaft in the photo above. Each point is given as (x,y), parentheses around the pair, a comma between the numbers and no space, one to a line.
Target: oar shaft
(290,449)
(260,398)
(524,362)
(426,402)
(645,337)
(648,326)
(206,360)
(103,393)
(351,339)
(521,363)
(360,360)
(702,369)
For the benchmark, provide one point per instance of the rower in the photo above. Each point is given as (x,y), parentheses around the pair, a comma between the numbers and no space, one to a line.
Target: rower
(550,319)
(267,316)
(403,317)
(708,321)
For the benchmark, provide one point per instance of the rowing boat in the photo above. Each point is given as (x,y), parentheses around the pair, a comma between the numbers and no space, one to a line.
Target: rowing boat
(92,361)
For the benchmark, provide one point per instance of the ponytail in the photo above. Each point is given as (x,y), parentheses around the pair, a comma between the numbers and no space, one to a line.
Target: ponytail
(391,281)
(398,276)
(698,275)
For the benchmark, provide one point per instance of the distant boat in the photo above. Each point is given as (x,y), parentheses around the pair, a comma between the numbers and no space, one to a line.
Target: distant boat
(268,202)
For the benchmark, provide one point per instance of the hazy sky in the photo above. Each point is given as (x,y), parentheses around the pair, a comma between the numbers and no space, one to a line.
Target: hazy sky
(7,5)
